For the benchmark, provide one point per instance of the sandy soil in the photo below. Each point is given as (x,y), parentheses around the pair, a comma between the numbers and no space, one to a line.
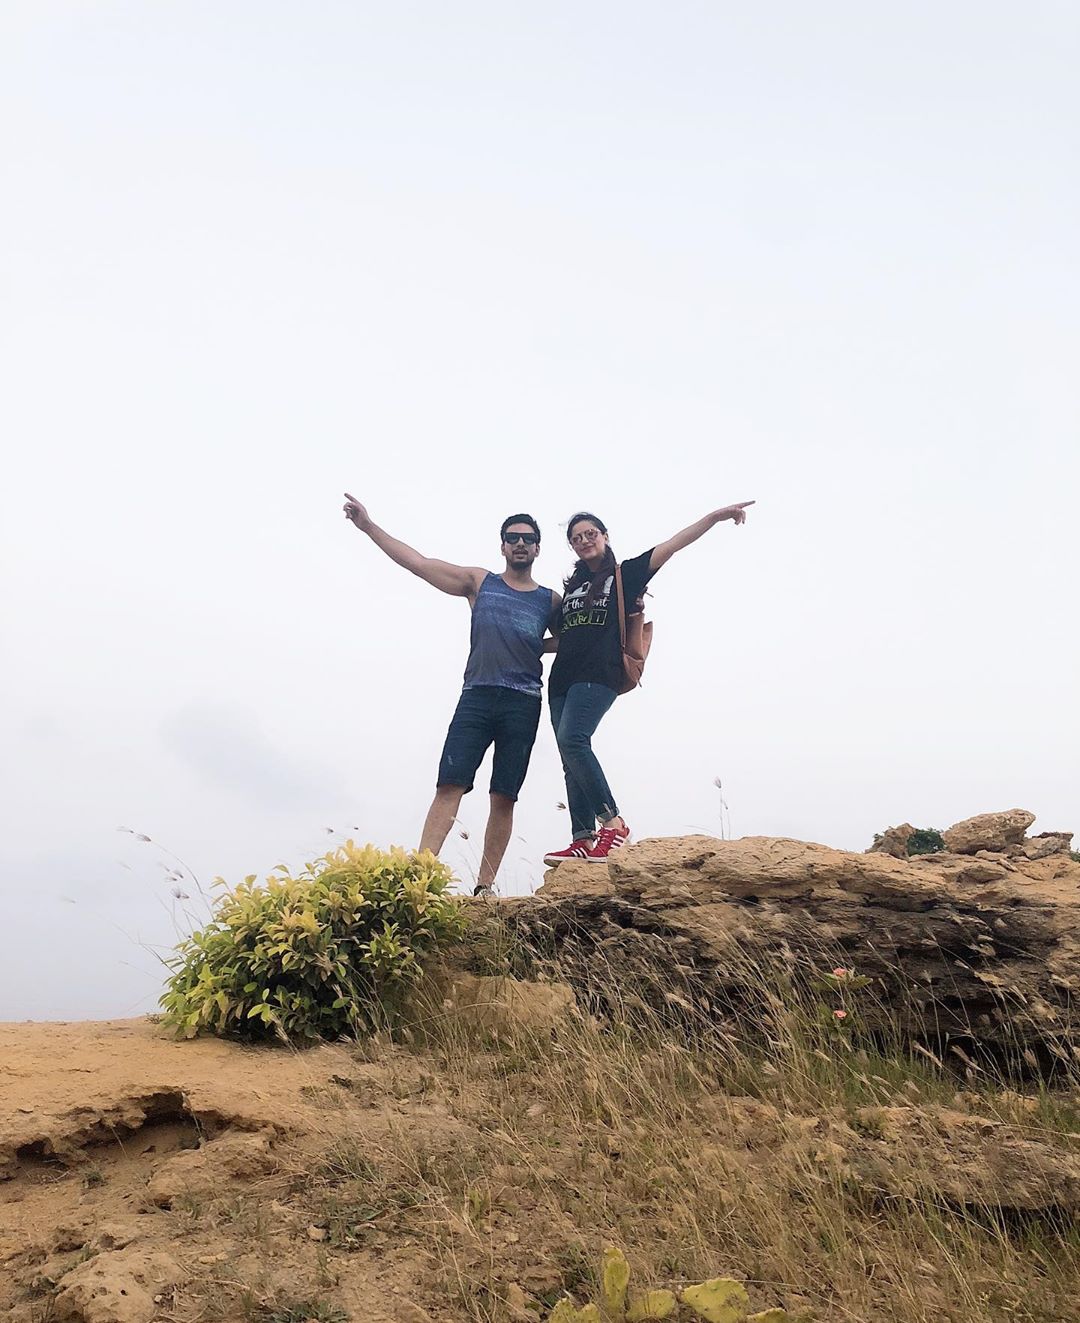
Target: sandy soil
(134,1163)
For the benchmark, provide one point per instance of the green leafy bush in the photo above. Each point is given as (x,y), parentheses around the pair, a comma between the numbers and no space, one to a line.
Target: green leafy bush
(333,951)
(925,840)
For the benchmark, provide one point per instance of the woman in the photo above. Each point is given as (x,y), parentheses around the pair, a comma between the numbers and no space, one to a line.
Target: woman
(588,669)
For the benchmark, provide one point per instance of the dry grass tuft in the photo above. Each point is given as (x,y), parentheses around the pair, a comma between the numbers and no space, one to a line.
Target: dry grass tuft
(481,1162)
(829,1172)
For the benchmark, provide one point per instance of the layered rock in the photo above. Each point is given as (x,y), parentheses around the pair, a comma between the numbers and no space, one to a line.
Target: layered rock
(988,831)
(1045,844)
(981,952)
(1003,833)
(894,841)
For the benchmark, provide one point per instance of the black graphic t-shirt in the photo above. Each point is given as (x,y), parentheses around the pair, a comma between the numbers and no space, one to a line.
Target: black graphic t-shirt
(589,647)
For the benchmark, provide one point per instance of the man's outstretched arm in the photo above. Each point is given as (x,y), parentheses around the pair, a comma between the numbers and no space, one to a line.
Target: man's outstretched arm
(457,580)
(664,551)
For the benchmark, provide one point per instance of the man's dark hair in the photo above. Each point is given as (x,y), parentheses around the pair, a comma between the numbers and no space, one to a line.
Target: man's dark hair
(519,519)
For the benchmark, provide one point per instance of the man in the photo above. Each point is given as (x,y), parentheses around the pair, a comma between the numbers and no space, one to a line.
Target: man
(500,701)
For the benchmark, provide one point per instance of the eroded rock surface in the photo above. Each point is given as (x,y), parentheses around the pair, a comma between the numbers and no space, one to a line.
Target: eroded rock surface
(81,1087)
(988,831)
(232,1160)
(982,949)
(1045,844)
(894,841)
(116,1287)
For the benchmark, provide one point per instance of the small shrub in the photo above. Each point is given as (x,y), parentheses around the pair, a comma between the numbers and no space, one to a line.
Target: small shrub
(719,1300)
(303,1311)
(925,840)
(333,951)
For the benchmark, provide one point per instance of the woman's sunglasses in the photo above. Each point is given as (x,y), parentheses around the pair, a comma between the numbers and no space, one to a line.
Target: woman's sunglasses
(530,539)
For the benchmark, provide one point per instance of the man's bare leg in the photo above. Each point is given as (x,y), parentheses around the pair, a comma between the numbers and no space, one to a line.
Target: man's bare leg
(496,838)
(440,817)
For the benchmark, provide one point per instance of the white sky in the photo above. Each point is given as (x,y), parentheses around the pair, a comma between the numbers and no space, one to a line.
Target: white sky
(465,259)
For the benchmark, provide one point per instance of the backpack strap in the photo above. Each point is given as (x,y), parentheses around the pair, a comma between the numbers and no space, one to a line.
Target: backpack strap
(619,601)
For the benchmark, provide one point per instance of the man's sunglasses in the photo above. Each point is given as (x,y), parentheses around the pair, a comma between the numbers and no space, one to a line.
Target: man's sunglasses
(530,539)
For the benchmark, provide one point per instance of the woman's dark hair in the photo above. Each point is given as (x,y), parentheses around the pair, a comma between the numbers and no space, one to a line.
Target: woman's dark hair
(581,573)
(576,519)
(519,519)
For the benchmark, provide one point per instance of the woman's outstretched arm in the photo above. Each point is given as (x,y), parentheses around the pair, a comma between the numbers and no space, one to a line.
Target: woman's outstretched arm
(665,550)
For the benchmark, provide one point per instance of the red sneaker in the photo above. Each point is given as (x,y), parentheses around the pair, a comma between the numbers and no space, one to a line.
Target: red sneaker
(575,850)
(610,838)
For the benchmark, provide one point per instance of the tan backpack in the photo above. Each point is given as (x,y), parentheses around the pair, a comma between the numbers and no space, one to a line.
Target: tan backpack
(636,638)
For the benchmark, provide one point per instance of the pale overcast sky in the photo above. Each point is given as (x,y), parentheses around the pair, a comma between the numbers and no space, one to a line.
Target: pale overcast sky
(466,259)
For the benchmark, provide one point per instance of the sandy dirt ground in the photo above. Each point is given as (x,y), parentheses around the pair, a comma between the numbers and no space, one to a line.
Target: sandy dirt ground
(134,1164)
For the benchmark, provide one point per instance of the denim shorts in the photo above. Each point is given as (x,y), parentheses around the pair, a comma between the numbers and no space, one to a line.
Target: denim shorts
(489,714)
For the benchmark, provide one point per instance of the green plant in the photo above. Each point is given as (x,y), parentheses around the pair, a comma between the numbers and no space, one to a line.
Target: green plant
(925,840)
(719,1300)
(304,1311)
(839,986)
(332,951)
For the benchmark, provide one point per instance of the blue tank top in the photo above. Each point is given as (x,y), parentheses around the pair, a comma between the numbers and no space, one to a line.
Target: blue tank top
(507,636)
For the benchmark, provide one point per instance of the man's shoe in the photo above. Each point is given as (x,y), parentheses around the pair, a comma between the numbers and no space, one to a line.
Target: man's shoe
(610,838)
(575,850)
(487,892)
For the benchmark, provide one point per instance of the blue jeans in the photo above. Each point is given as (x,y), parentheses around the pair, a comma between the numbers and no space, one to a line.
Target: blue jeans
(484,714)
(575,716)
